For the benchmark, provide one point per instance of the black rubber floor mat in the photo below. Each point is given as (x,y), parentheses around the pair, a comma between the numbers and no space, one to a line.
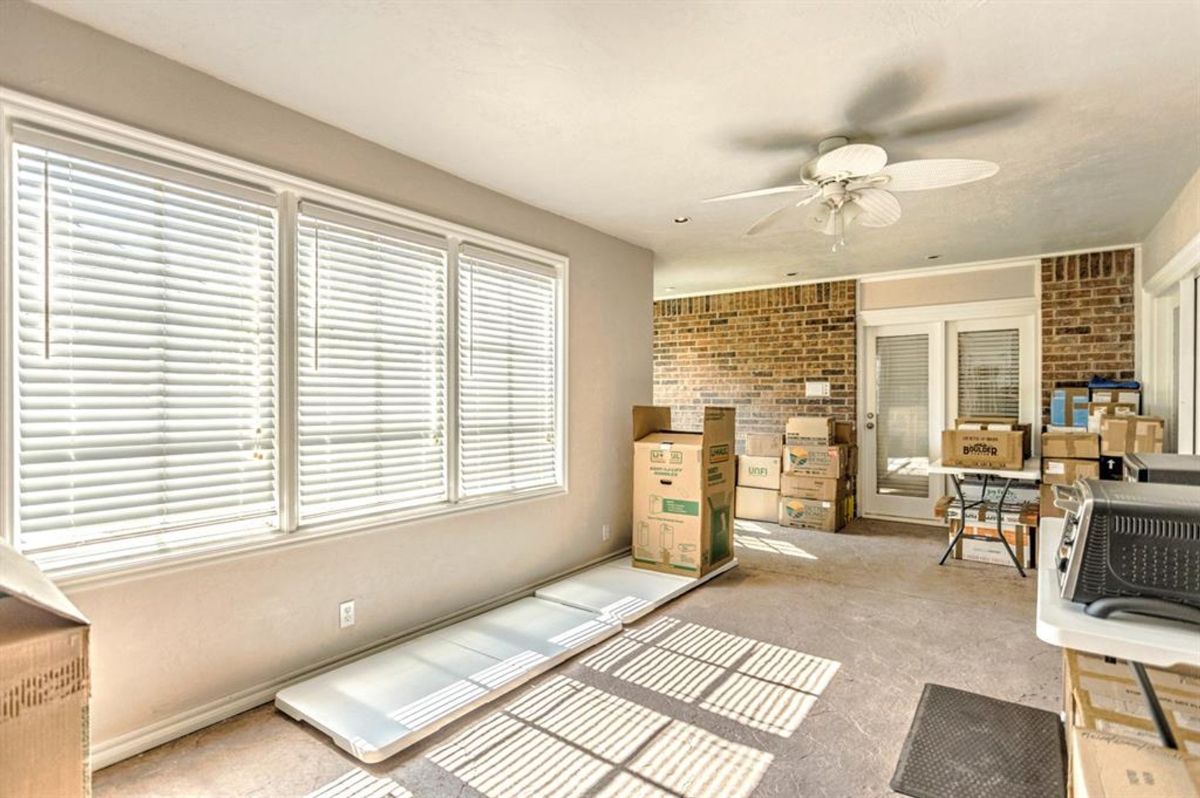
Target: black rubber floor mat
(965,744)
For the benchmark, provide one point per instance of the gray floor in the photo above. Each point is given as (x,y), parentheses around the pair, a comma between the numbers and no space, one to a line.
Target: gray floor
(794,675)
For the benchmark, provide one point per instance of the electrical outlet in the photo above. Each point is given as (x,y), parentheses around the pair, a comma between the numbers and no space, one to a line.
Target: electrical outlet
(606,532)
(345,614)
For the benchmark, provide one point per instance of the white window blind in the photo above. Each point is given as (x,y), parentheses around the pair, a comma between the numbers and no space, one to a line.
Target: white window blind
(145,394)
(508,403)
(372,341)
(902,428)
(989,373)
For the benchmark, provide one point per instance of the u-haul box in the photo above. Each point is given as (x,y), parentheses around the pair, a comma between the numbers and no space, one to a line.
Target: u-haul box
(683,492)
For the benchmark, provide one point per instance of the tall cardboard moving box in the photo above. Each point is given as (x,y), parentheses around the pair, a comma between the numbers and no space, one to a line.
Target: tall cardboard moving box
(683,492)
(44,685)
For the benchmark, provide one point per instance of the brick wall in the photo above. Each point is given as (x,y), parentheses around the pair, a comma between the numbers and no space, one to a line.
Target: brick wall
(1087,318)
(754,350)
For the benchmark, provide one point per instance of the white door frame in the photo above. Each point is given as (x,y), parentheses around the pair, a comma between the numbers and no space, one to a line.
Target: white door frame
(908,507)
(1027,312)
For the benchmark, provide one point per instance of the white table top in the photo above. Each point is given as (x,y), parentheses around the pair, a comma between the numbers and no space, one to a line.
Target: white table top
(1150,641)
(1030,472)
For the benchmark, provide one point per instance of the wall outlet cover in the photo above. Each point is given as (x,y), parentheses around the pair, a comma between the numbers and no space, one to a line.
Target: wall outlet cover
(345,614)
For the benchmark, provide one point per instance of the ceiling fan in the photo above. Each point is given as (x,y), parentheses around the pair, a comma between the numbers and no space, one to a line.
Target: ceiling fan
(848,183)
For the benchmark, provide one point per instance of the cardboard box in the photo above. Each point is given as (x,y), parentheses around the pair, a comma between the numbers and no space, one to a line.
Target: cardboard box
(1120,435)
(1110,766)
(764,445)
(759,472)
(827,516)
(1112,409)
(845,432)
(1129,396)
(983,544)
(798,486)
(1064,471)
(1077,445)
(1001,424)
(816,461)
(809,431)
(683,492)
(45,685)
(1068,407)
(756,504)
(1106,698)
(1046,506)
(983,448)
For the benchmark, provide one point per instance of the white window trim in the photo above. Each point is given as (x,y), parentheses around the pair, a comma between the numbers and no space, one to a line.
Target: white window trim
(18,108)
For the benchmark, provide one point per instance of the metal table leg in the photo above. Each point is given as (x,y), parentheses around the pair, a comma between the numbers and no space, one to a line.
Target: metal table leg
(1000,527)
(1156,711)
(962,524)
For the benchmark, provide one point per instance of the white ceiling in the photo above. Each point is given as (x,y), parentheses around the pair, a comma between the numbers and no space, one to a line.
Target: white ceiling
(623,115)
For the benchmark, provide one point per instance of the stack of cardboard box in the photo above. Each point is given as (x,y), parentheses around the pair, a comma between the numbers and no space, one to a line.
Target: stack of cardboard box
(1111,742)
(819,462)
(758,475)
(1067,455)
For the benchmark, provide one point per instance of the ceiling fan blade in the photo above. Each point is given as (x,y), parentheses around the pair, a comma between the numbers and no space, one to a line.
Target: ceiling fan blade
(761,192)
(936,173)
(889,94)
(777,141)
(768,220)
(852,159)
(879,208)
(963,117)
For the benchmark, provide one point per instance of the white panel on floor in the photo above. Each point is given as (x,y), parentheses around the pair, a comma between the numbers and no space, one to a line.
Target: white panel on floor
(616,589)
(380,704)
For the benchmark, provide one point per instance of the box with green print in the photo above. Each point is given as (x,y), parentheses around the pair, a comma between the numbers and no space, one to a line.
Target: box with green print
(683,492)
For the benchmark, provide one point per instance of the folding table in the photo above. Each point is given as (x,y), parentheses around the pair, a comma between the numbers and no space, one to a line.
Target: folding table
(1030,472)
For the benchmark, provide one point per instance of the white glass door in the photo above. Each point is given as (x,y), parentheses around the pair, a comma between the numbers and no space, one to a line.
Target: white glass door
(903,419)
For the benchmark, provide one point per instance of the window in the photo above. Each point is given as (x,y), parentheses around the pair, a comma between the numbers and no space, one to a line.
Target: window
(989,373)
(507,367)
(145,404)
(200,362)
(372,334)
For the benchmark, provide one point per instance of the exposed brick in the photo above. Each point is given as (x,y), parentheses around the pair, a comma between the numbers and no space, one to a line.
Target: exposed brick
(1087,319)
(754,350)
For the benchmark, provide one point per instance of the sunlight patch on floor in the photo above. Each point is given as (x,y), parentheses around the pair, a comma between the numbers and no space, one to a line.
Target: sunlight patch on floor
(760,685)
(771,546)
(358,783)
(565,739)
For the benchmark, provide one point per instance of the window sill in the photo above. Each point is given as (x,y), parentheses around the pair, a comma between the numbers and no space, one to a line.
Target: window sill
(121,569)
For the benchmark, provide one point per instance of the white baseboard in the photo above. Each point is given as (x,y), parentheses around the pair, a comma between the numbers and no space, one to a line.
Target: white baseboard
(113,750)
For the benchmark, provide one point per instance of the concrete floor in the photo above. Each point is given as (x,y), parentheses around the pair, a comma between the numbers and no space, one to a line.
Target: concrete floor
(796,674)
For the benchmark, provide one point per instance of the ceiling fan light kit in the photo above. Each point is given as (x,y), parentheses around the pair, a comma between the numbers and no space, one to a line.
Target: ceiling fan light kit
(848,183)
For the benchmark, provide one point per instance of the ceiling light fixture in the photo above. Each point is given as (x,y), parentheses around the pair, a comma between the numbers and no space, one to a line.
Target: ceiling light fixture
(791,274)
(932,257)
(682,219)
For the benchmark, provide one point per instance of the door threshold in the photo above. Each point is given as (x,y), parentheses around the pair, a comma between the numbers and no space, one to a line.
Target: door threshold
(904,519)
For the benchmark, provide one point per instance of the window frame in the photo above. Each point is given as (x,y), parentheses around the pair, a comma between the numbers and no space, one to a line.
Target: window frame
(290,190)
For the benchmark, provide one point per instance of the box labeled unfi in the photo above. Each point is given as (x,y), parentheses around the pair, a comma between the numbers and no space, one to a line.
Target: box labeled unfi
(683,492)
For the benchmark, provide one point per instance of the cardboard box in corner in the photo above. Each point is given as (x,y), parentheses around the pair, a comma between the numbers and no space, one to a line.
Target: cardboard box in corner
(683,492)
(44,685)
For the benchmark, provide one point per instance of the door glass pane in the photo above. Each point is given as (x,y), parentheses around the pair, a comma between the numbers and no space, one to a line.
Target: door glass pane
(989,373)
(902,423)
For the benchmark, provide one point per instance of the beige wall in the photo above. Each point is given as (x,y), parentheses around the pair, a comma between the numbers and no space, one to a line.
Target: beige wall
(174,646)
(910,291)
(1179,225)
